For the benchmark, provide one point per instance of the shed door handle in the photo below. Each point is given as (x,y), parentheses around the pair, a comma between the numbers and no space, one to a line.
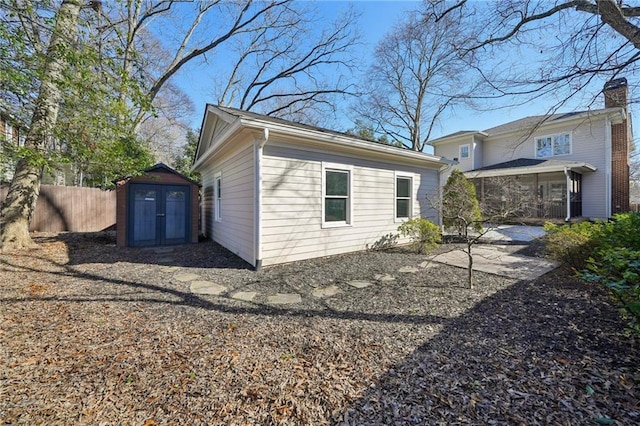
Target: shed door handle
(160,215)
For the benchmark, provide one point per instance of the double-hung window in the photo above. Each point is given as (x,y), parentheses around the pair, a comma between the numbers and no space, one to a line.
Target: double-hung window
(464,151)
(336,197)
(404,185)
(549,146)
(217,195)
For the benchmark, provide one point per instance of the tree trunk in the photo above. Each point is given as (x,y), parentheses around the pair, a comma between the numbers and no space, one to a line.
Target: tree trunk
(20,203)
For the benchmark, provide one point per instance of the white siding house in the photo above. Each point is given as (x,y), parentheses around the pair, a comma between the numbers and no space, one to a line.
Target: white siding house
(569,164)
(277,191)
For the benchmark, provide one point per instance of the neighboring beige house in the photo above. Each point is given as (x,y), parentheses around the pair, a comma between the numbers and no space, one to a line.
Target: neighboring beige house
(580,157)
(275,191)
(10,132)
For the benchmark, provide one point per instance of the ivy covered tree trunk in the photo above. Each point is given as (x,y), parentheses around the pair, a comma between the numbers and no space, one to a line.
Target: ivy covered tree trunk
(18,207)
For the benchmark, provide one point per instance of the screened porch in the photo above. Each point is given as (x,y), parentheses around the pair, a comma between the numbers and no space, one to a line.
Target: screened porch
(541,190)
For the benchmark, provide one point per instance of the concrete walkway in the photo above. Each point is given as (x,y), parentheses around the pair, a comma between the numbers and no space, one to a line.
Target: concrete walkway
(495,260)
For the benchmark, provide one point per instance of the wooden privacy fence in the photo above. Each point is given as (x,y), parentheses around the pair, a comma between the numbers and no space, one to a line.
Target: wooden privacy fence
(72,208)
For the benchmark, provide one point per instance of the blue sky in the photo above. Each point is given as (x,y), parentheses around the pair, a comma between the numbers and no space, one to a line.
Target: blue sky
(378,18)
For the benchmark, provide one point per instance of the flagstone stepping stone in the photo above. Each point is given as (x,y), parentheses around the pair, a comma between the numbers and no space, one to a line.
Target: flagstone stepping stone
(359,284)
(207,287)
(169,269)
(329,291)
(285,299)
(408,270)
(428,264)
(384,278)
(246,296)
(186,277)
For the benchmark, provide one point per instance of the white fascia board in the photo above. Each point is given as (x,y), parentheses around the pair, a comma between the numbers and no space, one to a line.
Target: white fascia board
(515,171)
(464,137)
(345,141)
(220,140)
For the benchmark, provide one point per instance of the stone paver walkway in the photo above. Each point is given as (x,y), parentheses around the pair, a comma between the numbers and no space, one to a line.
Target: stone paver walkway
(491,259)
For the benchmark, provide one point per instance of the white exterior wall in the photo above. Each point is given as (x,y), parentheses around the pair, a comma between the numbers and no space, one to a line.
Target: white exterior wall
(235,228)
(451,150)
(292,203)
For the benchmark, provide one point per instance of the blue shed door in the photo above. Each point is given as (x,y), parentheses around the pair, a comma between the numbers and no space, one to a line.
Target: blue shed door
(159,214)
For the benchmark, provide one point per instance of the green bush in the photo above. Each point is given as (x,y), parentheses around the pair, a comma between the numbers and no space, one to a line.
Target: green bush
(622,231)
(572,244)
(424,234)
(607,253)
(618,269)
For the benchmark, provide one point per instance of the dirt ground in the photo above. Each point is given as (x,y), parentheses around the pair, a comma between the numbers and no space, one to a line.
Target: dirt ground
(94,334)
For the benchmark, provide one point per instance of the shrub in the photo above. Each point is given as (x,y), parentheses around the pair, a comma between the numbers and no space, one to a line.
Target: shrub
(460,207)
(622,231)
(424,234)
(618,269)
(572,244)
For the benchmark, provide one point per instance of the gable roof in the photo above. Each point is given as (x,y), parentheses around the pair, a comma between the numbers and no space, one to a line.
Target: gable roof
(527,124)
(226,120)
(158,167)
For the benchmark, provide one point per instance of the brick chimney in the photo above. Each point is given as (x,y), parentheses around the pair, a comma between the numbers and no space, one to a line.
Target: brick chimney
(615,95)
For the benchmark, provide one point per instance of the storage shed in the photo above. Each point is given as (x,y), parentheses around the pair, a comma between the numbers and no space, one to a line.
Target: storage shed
(159,207)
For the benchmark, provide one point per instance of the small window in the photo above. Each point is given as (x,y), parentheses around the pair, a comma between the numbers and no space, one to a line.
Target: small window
(8,132)
(336,202)
(464,151)
(217,195)
(549,146)
(403,197)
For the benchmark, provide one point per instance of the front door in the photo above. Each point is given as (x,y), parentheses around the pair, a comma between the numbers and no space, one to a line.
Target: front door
(158,214)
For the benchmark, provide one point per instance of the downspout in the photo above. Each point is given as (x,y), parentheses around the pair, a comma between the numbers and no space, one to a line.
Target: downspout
(259,144)
(607,167)
(569,182)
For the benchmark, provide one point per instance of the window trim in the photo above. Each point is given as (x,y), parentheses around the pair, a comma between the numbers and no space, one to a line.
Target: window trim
(552,136)
(326,166)
(217,199)
(402,175)
(468,146)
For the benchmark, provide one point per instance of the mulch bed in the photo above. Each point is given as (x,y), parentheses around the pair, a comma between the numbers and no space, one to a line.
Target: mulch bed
(92,334)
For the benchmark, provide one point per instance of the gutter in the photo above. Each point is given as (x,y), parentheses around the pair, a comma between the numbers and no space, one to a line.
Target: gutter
(344,141)
(258,146)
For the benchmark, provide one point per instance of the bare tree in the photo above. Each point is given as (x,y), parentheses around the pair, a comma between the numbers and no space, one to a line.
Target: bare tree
(469,218)
(130,48)
(290,69)
(419,72)
(569,45)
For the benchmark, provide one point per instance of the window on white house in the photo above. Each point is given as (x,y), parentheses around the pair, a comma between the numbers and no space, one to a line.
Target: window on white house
(8,132)
(464,151)
(217,195)
(337,193)
(549,146)
(403,197)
